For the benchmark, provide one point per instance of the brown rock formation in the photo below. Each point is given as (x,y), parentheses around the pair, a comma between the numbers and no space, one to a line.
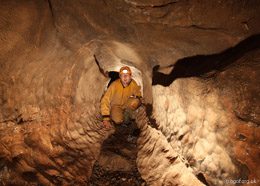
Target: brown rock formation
(157,161)
(202,119)
(205,109)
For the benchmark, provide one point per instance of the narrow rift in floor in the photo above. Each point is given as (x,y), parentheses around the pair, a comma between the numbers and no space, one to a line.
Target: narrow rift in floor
(117,161)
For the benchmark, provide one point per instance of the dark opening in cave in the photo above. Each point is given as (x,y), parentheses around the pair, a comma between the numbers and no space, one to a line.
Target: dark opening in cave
(114,76)
(201,177)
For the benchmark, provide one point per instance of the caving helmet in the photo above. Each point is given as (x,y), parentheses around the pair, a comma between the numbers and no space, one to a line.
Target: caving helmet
(125,70)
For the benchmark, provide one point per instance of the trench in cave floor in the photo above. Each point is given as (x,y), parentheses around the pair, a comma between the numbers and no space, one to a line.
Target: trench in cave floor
(116,165)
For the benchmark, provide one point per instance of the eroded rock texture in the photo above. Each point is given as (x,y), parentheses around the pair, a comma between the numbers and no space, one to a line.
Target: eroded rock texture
(198,62)
(157,161)
(213,120)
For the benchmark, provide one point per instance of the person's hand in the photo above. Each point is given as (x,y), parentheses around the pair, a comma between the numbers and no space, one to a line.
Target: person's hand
(107,124)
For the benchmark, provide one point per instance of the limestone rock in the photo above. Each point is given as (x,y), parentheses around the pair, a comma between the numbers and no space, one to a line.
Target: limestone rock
(114,162)
(198,62)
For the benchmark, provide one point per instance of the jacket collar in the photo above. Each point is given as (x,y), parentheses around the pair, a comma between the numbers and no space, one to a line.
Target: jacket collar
(123,84)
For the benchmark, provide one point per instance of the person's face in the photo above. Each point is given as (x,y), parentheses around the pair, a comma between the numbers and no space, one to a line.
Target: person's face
(125,78)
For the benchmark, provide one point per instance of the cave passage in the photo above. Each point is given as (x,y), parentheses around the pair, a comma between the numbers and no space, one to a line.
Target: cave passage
(196,61)
(116,164)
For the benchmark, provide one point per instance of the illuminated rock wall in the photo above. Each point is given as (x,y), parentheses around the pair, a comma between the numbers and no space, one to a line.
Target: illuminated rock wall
(204,120)
(54,60)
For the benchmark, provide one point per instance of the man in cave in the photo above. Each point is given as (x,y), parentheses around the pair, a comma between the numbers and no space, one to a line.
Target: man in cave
(121,99)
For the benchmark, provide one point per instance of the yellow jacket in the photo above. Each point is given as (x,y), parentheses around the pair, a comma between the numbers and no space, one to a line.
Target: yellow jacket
(117,94)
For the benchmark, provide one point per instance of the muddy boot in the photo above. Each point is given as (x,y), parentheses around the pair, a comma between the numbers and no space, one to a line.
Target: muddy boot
(127,116)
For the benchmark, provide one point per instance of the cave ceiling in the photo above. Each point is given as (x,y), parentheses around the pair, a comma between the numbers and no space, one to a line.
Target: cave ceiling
(161,31)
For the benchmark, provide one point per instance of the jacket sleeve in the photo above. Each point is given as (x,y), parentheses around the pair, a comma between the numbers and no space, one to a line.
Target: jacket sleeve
(105,104)
(137,91)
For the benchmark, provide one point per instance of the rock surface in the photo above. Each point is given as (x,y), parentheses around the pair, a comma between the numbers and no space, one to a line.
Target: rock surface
(116,163)
(157,161)
(198,62)
(213,120)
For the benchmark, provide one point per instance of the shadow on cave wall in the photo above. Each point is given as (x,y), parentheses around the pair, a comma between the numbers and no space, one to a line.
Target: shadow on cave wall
(205,66)
(112,74)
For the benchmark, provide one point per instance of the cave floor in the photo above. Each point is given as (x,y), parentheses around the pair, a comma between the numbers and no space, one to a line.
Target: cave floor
(120,152)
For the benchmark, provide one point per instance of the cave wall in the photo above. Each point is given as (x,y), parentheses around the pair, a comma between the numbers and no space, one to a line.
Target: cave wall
(53,62)
(45,127)
(213,120)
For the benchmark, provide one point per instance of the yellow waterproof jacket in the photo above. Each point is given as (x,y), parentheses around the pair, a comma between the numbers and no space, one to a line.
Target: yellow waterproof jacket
(117,94)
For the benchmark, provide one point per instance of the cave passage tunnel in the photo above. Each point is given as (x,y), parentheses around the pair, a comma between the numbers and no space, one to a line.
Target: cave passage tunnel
(198,63)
